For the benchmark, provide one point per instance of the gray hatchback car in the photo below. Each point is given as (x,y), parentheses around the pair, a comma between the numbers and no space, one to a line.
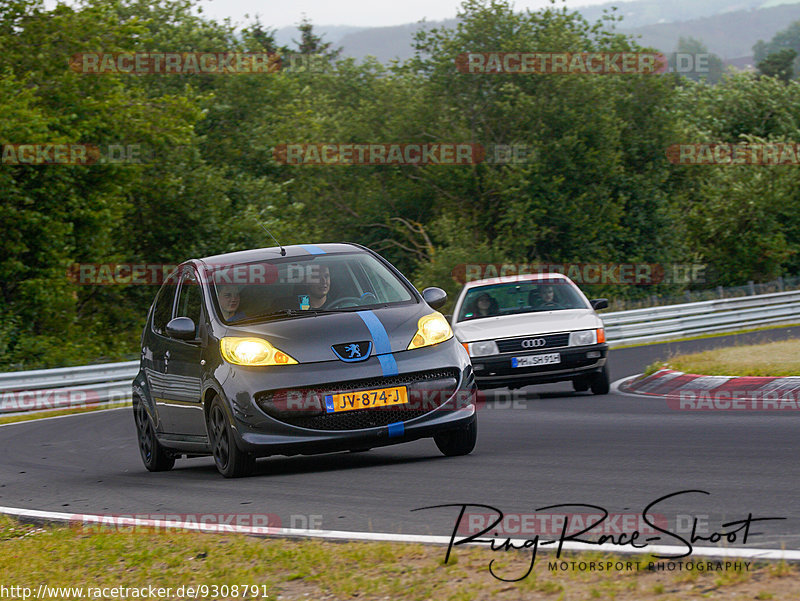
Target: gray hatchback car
(297,350)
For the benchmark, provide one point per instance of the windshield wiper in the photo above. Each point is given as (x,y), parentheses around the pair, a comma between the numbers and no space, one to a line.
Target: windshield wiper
(280,313)
(294,313)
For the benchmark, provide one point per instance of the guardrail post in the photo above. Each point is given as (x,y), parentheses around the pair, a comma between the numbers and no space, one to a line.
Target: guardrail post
(752,287)
(721,291)
(780,283)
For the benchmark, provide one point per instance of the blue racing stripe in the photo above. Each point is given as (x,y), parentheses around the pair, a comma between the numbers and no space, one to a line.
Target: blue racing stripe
(396,429)
(388,365)
(383,348)
(314,250)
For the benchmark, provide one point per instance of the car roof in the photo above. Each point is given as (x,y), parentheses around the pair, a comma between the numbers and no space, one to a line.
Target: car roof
(274,252)
(510,279)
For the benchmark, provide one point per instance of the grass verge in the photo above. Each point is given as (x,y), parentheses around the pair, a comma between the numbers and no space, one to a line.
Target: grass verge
(781,358)
(68,556)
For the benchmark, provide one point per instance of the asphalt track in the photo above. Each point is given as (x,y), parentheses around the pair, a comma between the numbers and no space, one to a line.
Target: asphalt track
(546,446)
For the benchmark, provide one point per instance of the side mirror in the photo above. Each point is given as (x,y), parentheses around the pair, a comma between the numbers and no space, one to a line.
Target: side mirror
(599,303)
(435,297)
(182,328)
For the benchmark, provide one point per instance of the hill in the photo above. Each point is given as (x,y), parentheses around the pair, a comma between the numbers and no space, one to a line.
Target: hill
(730,32)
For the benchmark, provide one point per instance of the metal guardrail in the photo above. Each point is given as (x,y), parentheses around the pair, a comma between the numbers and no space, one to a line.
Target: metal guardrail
(706,317)
(66,387)
(111,382)
(53,378)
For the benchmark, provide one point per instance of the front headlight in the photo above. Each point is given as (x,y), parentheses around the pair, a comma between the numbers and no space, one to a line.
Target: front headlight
(482,348)
(252,351)
(583,338)
(431,329)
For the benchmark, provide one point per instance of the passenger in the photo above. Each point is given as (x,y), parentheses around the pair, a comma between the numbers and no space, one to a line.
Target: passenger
(485,306)
(228,298)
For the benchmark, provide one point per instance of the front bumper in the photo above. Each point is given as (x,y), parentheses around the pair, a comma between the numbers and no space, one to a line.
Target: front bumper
(264,432)
(495,371)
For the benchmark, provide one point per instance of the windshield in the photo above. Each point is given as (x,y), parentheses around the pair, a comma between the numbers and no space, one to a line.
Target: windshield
(290,288)
(520,297)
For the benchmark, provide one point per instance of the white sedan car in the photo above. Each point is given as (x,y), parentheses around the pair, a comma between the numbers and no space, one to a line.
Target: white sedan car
(532,329)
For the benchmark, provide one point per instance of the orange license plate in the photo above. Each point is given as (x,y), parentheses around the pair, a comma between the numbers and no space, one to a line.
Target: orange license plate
(366,399)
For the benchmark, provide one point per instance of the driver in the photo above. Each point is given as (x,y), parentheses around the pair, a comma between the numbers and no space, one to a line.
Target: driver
(318,287)
(548,295)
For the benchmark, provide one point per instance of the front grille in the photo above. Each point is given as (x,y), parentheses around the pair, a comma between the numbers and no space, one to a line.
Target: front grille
(309,411)
(356,420)
(514,345)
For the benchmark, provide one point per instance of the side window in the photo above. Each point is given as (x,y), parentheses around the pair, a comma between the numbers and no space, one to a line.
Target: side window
(190,299)
(164,301)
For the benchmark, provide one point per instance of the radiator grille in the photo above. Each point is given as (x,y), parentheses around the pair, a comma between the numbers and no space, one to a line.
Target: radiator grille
(313,416)
(514,345)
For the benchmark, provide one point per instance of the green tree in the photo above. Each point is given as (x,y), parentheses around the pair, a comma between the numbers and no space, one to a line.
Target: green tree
(779,64)
(311,44)
(597,150)
(743,220)
(785,39)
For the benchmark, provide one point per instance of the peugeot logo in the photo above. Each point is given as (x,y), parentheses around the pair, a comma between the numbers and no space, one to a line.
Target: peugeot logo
(533,342)
(353,351)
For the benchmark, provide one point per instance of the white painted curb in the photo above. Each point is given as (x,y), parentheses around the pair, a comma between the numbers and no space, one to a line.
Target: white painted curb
(666,550)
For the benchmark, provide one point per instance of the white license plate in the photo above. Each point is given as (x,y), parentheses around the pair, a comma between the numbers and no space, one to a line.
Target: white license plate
(533,360)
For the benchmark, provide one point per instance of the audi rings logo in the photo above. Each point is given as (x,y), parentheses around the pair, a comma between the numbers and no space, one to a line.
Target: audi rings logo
(533,342)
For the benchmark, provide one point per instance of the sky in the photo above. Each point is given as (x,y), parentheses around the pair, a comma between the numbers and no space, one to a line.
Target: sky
(362,13)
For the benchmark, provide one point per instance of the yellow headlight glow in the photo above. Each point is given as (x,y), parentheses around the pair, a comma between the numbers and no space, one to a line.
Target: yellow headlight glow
(252,351)
(431,329)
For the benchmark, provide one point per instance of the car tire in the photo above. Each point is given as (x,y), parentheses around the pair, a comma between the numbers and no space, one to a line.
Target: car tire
(458,442)
(580,384)
(154,456)
(230,460)
(600,383)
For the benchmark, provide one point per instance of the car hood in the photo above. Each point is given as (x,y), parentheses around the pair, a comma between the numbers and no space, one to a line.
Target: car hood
(526,324)
(309,339)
